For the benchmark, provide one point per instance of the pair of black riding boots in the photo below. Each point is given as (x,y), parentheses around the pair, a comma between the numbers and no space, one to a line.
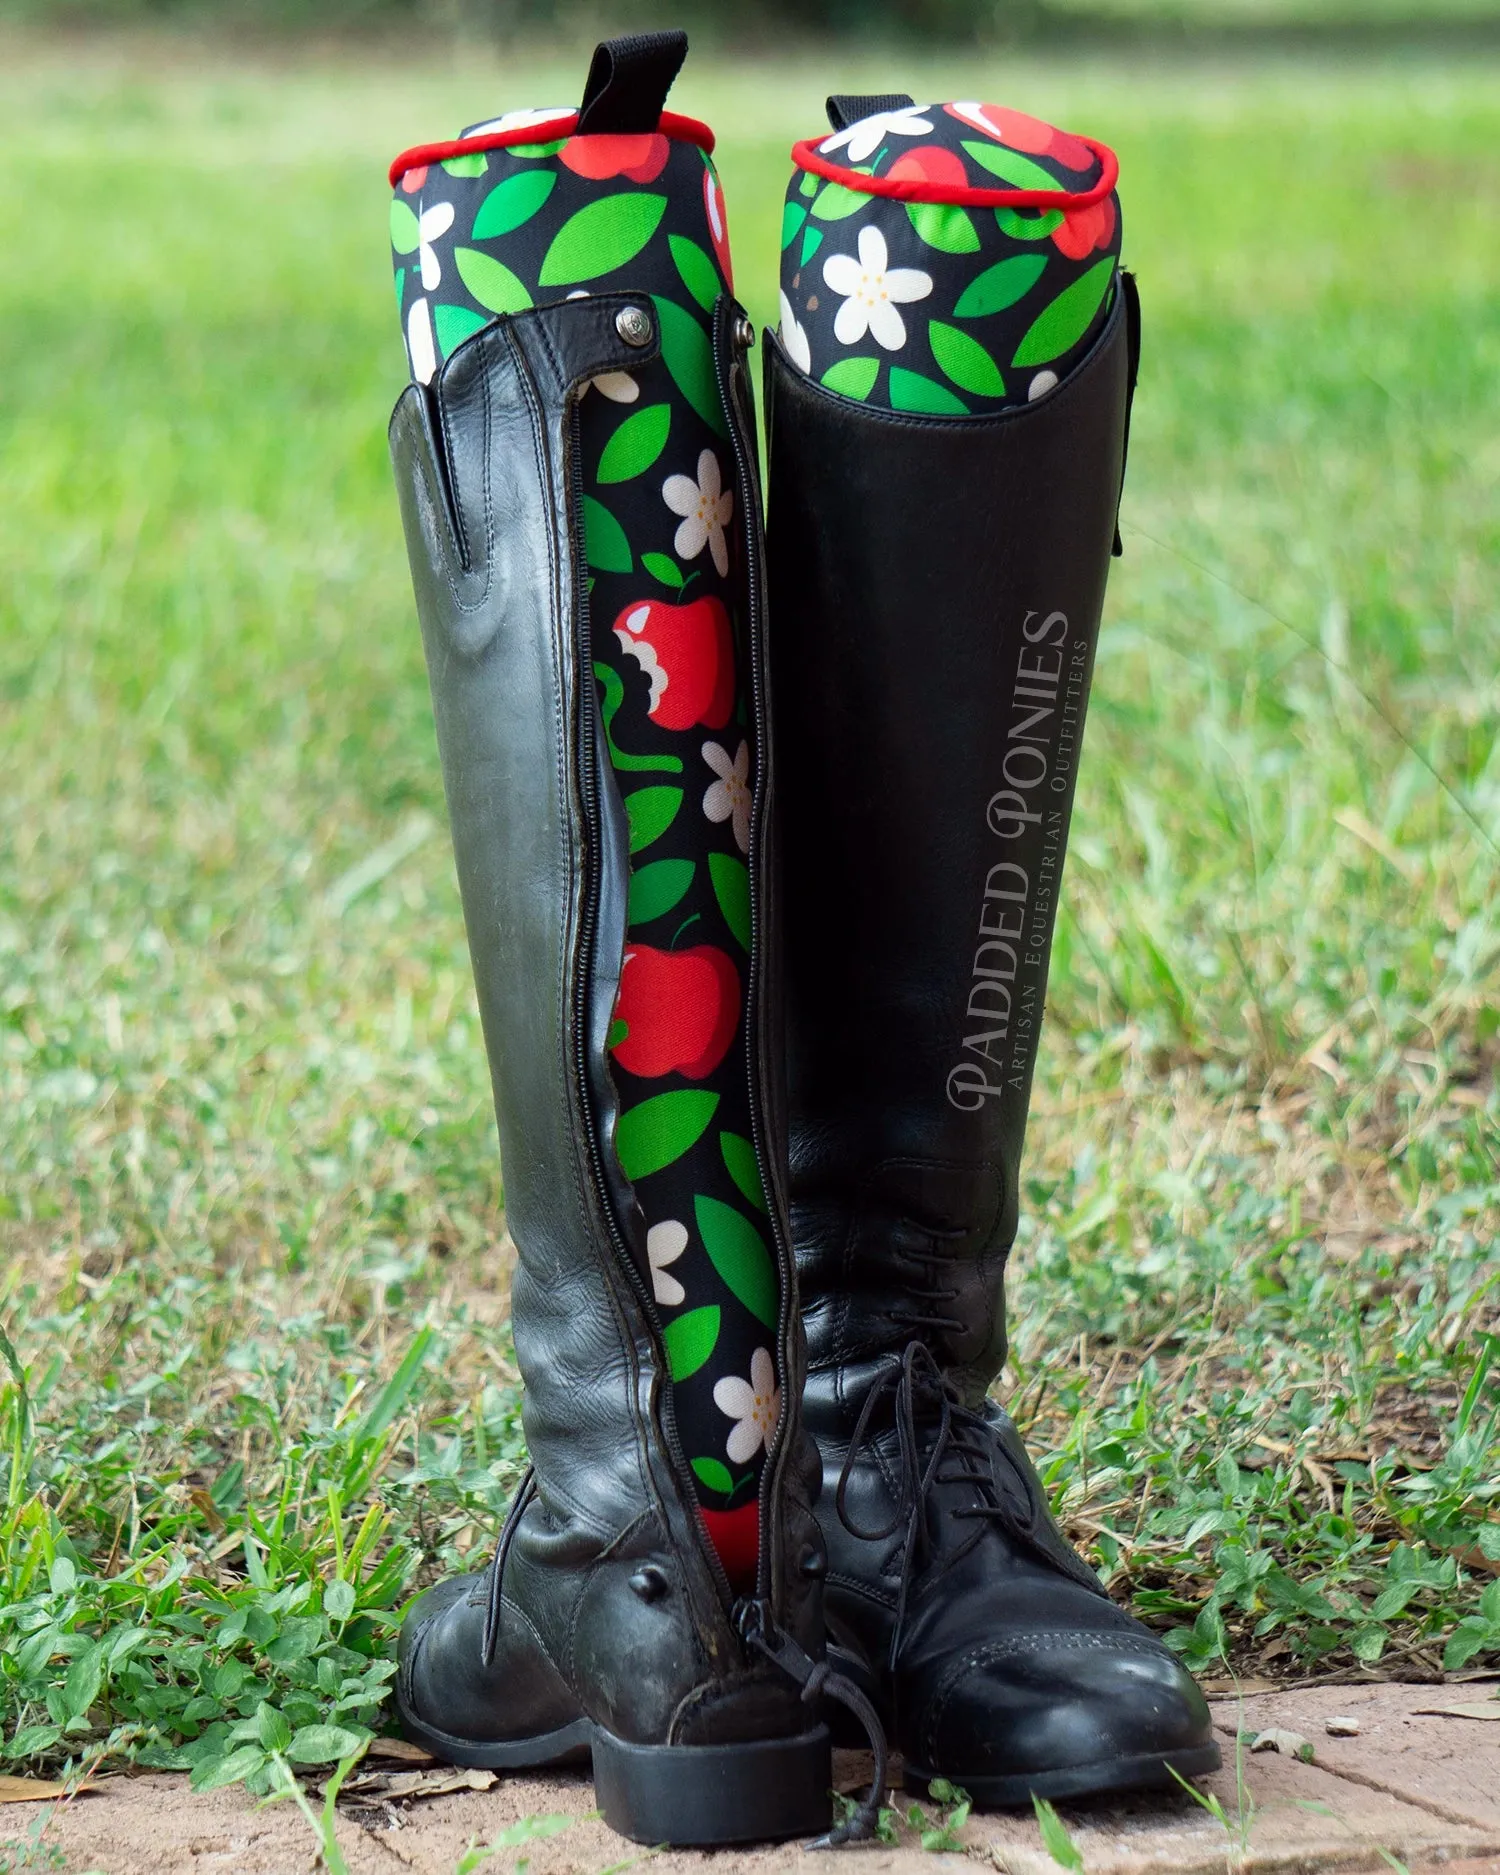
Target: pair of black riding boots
(927,591)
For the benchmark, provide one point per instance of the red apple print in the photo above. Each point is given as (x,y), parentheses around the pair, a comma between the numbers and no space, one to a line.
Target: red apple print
(735,1534)
(412,181)
(1017,131)
(599,157)
(1081,230)
(929,162)
(680,1010)
(687,652)
(718,227)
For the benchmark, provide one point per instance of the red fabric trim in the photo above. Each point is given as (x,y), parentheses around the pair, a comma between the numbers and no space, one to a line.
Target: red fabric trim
(914,189)
(680,129)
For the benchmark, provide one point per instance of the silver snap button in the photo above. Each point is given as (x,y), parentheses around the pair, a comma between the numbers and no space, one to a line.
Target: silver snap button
(744,333)
(633,325)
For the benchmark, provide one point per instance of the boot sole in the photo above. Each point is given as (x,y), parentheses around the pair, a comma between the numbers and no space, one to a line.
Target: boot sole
(1153,1771)
(691,1796)
(706,1795)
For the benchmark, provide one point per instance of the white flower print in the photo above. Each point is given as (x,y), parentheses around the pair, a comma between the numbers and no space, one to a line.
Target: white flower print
(706,506)
(431,224)
(871,290)
(753,1404)
(518,120)
(793,338)
(865,138)
(664,1244)
(728,798)
(420,345)
(618,386)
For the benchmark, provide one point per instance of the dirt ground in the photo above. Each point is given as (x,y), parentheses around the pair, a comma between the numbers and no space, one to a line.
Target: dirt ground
(1391,1780)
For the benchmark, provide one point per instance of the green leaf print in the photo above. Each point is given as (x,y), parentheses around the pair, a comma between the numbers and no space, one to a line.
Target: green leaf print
(852,377)
(1013,169)
(714,1476)
(731,882)
(474,164)
(944,226)
(490,281)
(812,240)
(792,217)
(656,888)
(699,275)
(602,236)
(663,567)
(964,360)
(512,203)
(660,1130)
(538,149)
(738,1252)
(618,1030)
(911,391)
(689,357)
(637,443)
(739,1162)
(690,1339)
(454,324)
(405,235)
(650,811)
(808,184)
(605,546)
(1065,321)
(836,203)
(613,686)
(1000,286)
(1023,224)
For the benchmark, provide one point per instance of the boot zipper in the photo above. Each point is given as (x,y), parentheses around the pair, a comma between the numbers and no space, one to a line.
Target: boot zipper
(767,1586)
(589,786)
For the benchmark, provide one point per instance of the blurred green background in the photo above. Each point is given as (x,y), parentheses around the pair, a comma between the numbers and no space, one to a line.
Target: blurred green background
(252,1252)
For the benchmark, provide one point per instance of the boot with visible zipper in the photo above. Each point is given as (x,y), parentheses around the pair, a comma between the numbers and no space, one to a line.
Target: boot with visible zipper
(936,585)
(606,1623)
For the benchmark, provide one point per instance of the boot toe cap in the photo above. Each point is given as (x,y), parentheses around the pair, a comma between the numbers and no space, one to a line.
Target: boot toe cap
(1062,1713)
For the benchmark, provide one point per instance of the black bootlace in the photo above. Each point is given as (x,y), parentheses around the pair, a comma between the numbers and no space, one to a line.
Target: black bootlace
(820,1681)
(960,1450)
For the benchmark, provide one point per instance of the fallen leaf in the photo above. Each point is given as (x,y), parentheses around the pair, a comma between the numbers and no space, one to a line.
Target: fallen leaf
(401,1749)
(1464,1709)
(1291,1744)
(394,1786)
(29,1790)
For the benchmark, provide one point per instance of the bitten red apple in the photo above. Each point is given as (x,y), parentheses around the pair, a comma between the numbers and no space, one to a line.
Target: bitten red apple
(688,653)
(718,225)
(600,156)
(680,1010)
(929,162)
(735,1534)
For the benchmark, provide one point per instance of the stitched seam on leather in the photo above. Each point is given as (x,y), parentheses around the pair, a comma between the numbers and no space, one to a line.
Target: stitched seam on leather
(461,534)
(1098,1640)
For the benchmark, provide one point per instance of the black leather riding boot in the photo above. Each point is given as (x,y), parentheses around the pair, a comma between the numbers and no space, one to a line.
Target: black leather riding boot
(606,1622)
(936,587)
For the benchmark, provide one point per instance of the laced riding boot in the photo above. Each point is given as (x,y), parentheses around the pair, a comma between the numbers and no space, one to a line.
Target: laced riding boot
(939,536)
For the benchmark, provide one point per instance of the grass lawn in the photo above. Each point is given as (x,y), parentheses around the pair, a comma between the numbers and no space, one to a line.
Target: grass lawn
(252,1256)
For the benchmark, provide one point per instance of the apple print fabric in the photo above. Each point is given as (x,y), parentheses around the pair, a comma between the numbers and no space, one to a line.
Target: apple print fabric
(497,231)
(945,307)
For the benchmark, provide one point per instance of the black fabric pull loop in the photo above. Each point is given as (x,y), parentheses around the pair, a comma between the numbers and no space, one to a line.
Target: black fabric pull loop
(844,109)
(628,83)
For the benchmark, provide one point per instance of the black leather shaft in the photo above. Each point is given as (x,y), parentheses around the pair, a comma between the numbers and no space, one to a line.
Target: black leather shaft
(936,589)
(614,1605)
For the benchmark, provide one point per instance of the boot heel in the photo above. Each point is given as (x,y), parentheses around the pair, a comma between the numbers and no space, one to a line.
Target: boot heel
(700,1795)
